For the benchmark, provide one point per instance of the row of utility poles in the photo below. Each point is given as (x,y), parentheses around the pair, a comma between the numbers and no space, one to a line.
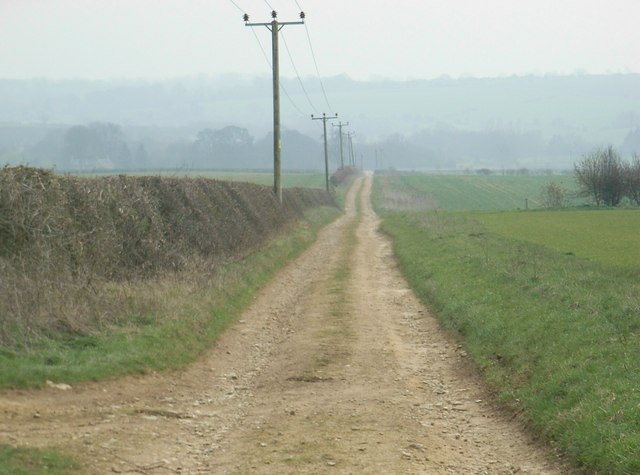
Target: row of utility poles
(324,120)
(275,26)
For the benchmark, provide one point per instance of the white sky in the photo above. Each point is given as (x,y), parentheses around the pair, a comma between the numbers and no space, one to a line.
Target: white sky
(365,39)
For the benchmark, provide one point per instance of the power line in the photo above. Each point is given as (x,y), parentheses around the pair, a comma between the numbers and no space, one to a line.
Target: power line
(284,90)
(266,57)
(313,55)
(236,5)
(315,62)
(295,106)
(264,53)
(297,74)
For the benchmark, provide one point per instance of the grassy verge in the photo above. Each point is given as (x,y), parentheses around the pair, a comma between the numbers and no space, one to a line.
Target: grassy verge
(336,330)
(557,336)
(171,321)
(18,461)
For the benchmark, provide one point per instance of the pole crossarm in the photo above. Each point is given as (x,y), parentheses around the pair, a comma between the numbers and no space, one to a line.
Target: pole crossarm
(280,24)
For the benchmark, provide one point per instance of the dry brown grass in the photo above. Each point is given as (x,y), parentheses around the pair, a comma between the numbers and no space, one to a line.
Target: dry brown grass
(74,252)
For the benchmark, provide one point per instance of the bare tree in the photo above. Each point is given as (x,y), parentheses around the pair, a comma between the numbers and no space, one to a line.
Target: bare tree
(553,195)
(632,176)
(601,175)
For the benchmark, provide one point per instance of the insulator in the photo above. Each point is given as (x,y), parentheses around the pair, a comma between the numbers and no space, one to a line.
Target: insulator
(246,17)
(302,15)
(274,14)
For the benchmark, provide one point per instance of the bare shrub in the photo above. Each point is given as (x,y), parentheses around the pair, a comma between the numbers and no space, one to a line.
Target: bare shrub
(400,200)
(600,175)
(632,175)
(553,195)
(343,175)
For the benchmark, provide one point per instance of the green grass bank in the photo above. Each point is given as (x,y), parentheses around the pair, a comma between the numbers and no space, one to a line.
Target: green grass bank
(555,334)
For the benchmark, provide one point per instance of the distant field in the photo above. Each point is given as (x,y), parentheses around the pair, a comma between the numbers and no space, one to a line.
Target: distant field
(289,180)
(607,236)
(474,192)
(604,235)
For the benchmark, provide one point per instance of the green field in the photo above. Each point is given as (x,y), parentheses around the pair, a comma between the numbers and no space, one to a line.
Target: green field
(547,303)
(475,192)
(608,236)
(605,235)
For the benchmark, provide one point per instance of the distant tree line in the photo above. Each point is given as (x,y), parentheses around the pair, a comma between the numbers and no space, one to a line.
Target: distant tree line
(108,146)
(607,179)
(445,146)
(105,146)
(234,147)
(99,145)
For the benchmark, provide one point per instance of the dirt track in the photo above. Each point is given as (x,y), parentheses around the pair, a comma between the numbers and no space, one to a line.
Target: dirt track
(335,368)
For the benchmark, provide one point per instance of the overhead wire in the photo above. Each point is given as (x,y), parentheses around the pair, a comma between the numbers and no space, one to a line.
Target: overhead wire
(236,5)
(295,69)
(315,62)
(269,5)
(266,57)
(284,90)
(264,53)
(300,111)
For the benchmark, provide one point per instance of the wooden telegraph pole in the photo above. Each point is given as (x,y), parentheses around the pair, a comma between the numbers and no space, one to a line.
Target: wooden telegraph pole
(352,156)
(340,125)
(324,120)
(274,26)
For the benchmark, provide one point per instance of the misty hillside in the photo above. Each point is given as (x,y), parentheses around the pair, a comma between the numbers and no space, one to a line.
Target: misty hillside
(536,122)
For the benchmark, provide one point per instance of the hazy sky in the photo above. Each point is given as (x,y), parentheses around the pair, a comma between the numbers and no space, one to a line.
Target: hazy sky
(364,39)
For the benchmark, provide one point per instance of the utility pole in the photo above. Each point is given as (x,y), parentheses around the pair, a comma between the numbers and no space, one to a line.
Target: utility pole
(275,27)
(352,157)
(324,119)
(340,125)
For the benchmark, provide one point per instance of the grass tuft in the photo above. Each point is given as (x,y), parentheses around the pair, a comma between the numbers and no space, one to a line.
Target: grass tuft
(20,461)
